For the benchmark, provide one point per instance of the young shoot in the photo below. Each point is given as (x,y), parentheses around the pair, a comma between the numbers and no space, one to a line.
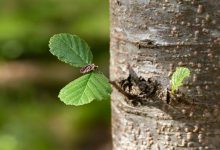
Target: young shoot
(177,78)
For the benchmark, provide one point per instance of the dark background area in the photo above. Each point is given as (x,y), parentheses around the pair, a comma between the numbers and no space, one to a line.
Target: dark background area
(31,115)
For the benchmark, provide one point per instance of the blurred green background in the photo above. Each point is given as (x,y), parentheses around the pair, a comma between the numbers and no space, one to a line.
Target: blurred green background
(31,116)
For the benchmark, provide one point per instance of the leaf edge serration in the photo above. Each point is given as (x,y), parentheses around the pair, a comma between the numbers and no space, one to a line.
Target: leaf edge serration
(108,90)
(64,60)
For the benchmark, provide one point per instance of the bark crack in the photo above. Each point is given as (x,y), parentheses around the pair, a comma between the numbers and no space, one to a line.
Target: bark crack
(147,43)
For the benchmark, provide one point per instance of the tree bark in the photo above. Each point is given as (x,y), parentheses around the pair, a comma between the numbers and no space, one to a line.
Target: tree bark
(149,39)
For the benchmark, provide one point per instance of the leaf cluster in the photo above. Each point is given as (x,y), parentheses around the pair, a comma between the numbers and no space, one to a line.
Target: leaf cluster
(72,50)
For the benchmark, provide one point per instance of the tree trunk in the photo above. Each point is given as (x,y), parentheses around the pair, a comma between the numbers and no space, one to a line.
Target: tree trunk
(149,39)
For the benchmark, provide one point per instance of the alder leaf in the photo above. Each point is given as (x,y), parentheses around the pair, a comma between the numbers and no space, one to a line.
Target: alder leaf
(85,89)
(70,49)
(177,78)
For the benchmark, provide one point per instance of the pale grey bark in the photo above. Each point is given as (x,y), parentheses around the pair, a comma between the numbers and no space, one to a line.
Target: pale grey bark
(152,38)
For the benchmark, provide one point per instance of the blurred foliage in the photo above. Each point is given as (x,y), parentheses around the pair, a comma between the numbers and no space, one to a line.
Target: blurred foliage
(31,116)
(37,121)
(26,25)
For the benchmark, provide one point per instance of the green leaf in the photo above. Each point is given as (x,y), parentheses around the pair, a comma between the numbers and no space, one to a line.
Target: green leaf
(70,49)
(178,76)
(89,87)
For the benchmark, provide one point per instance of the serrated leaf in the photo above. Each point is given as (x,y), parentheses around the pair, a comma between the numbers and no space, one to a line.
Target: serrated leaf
(70,49)
(178,76)
(89,87)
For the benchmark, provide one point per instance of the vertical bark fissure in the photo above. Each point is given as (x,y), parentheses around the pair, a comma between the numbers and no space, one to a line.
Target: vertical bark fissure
(153,37)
